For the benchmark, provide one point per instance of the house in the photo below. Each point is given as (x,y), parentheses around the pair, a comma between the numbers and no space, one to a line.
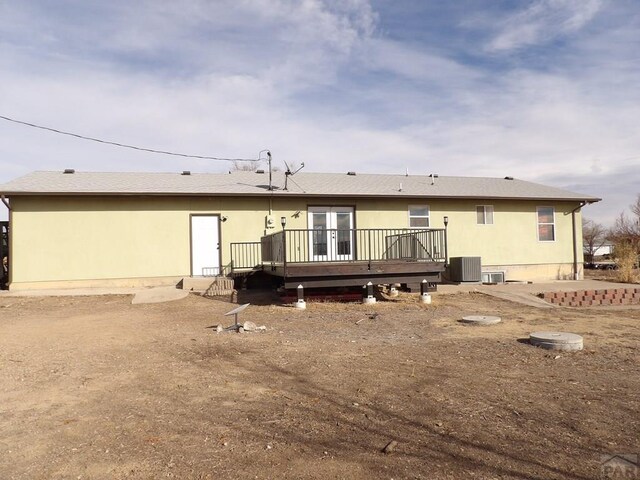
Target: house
(78,229)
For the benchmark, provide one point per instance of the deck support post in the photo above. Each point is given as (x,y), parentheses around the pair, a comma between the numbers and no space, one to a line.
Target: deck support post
(367,296)
(300,304)
(425,297)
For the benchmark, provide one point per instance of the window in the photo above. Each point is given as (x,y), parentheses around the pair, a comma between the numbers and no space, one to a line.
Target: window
(484,214)
(546,224)
(492,277)
(419,216)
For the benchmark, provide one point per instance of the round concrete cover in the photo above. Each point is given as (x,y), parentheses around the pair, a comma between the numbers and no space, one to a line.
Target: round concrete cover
(481,319)
(556,340)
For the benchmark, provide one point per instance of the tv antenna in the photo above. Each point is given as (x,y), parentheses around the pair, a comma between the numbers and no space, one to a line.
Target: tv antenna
(269,162)
(288,173)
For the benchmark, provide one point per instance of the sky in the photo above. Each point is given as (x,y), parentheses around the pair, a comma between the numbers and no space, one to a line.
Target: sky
(542,90)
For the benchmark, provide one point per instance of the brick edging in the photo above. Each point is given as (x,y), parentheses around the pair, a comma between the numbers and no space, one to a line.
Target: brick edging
(588,298)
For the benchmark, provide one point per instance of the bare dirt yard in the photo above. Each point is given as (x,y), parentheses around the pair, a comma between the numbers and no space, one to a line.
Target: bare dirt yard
(95,387)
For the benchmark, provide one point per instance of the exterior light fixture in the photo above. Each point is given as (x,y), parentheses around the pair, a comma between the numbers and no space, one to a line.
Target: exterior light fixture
(446,221)
(283,221)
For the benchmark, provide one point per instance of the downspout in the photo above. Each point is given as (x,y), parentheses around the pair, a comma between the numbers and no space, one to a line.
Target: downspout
(6,204)
(575,239)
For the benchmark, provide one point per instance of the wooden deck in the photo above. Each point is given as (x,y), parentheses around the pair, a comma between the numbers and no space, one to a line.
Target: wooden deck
(357,256)
(344,274)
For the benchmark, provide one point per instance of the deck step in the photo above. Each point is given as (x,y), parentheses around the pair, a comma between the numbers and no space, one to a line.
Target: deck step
(208,285)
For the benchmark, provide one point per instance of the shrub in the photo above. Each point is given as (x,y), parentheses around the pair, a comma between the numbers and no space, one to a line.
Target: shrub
(625,256)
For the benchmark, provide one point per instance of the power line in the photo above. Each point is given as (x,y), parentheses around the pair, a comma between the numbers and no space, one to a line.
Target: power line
(163,152)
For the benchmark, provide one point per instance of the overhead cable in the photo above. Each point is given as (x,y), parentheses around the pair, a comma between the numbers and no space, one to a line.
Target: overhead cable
(117,144)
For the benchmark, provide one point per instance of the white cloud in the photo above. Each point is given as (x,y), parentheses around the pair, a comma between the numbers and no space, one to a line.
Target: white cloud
(413,63)
(543,21)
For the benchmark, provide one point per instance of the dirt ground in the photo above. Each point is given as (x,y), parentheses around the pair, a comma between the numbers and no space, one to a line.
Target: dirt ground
(95,387)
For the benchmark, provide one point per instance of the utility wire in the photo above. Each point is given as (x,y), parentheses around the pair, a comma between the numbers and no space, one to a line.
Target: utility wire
(163,152)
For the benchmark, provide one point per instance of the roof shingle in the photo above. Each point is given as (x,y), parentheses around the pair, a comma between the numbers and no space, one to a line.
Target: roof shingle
(303,183)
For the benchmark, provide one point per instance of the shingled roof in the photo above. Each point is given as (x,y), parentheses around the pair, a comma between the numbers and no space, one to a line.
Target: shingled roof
(302,184)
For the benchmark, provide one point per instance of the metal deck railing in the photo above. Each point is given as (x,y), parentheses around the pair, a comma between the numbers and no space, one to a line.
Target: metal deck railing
(245,256)
(354,245)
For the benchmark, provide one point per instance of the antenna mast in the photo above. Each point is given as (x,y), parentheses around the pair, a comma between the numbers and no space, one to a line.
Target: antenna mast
(289,173)
(269,157)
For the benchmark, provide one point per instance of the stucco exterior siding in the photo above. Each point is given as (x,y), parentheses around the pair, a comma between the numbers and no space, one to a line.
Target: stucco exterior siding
(544,272)
(122,240)
(513,237)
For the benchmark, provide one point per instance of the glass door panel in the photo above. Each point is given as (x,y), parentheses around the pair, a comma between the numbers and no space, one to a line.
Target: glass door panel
(319,236)
(343,241)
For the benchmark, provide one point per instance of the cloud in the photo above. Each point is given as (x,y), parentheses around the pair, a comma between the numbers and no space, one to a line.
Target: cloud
(542,22)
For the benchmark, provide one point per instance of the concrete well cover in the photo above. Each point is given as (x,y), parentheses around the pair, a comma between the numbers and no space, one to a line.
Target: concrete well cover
(481,319)
(556,340)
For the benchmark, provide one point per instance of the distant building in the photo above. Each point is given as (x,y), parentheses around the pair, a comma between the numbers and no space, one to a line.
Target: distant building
(605,249)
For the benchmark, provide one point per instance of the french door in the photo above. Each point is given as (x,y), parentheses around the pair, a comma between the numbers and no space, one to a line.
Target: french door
(331,236)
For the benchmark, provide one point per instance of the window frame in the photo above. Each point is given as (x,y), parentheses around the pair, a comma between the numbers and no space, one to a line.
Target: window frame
(484,213)
(552,223)
(428,216)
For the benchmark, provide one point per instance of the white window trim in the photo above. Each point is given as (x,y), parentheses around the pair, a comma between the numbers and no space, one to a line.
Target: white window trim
(493,211)
(555,234)
(428,216)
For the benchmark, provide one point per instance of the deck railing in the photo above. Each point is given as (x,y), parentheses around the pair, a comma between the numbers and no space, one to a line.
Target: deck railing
(354,245)
(245,256)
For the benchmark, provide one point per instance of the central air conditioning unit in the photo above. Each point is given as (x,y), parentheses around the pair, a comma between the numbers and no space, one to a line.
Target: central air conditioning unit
(465,269)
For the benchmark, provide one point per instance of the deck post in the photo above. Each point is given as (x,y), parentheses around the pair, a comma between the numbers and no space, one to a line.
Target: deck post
(446,253)
(425,297)
(369,242)
(283,222)
(300,304)
(368,291)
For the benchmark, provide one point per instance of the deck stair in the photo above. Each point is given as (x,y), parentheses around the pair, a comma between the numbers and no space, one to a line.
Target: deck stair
(209,286)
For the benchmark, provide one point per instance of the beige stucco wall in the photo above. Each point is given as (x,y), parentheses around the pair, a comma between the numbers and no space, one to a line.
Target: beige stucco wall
(141,240)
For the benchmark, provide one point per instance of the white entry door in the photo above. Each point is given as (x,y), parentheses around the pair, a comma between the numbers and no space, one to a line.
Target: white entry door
(332,235)
(205,245)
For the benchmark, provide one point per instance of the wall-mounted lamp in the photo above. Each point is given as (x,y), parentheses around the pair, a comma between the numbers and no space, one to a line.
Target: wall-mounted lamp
(283,221)
(224,218)
(446,221)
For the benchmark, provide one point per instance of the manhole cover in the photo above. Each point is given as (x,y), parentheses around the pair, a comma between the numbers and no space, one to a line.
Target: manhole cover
(481,319)
(556,340)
